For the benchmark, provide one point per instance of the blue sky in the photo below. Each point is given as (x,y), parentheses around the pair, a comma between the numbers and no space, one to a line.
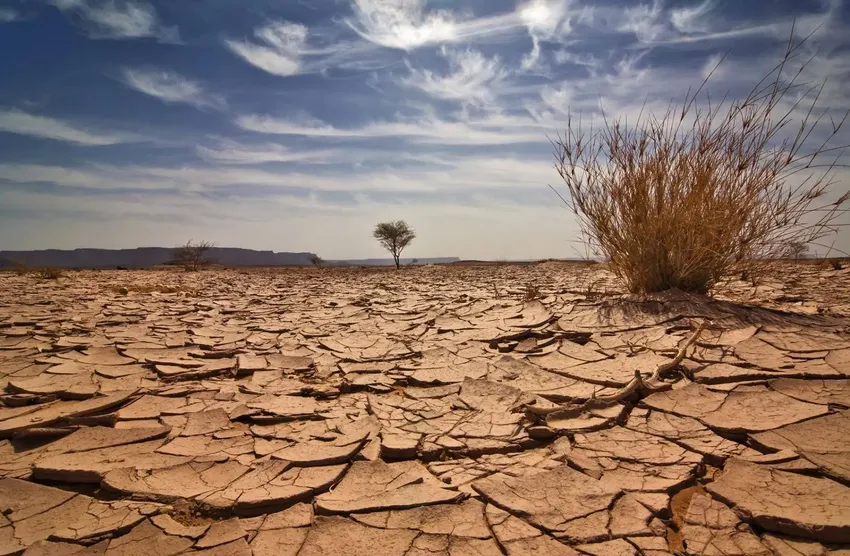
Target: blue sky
(296,125)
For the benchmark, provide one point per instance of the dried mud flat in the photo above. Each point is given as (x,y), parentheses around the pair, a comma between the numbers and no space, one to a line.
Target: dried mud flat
(347,412)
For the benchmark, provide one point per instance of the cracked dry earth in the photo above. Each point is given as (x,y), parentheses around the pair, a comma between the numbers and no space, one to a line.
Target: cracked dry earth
(347,412)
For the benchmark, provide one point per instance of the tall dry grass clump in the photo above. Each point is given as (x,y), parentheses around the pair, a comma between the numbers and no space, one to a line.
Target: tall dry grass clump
(699,193)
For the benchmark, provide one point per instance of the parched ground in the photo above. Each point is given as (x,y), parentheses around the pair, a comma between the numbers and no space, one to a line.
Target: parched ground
(413,413)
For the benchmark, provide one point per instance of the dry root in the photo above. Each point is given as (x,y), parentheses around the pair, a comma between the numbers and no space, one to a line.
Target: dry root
(638,385)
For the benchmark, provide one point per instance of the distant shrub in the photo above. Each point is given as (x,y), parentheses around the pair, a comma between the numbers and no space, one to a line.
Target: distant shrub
(48,273)
(192,256)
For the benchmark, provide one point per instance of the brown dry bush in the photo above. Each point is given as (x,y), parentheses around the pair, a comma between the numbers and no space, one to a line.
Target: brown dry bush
(192,256)
(48,273)
(700,193)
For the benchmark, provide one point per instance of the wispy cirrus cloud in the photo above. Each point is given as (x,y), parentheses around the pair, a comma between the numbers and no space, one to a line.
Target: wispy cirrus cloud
(472,77)
(171,87)
(277,50)
(7,15)
(494,129)
(226,151)
(118,19)
(23,123)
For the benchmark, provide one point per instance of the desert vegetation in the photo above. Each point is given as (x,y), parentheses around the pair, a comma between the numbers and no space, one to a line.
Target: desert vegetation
(706,190)
(394,237)
(192,256)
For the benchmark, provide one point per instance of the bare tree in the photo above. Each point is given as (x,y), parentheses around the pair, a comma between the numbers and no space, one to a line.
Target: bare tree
(317,260)
(797,250)
(394,237)
(192,256)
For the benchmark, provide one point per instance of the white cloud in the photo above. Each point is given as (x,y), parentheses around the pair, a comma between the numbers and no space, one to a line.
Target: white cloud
(232,152)
(402,24)
(408,25)
(545,18)
(648,23)
(492,130)
(8,15)
(281,45)
(692,19)
(472,77)
(170,87)
(22,123)
(118,19)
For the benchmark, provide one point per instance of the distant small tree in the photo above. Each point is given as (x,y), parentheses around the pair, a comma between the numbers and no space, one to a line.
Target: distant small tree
(797,250)
(394,237)
(192,256)
(317,260)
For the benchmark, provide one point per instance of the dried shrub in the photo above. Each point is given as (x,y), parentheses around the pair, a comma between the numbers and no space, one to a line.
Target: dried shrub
(192,256)
(48,273)
(684,199)
(531,292)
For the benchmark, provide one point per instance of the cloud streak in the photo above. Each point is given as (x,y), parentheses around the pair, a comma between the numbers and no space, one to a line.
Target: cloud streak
(8,15)
(118,19)
(170,87)
(490,130)
(23,123)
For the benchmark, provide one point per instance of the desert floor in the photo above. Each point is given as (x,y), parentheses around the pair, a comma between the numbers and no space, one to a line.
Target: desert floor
(415,412)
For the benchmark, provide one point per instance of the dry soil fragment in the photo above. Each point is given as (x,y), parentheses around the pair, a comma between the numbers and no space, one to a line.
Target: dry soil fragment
(92,438)
(290,407)
(786,503)
(172,527)
(222,532)
(279,542)
(102,518)
(55,412)
(634,460)
(145,538)
(151,407)
(824,434)
(92,465)
(313,453)
(551,499)
(615,372)
(460,520)
(833,464)
(342,537)
(835,392)
(755,409)
(375,485)
(788,546)
(803,341)
(761,354)
(617,547)
(32,512)
(206,422)
(724,373)
(713,529)
(532,379)
(688,432)
(272,483)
